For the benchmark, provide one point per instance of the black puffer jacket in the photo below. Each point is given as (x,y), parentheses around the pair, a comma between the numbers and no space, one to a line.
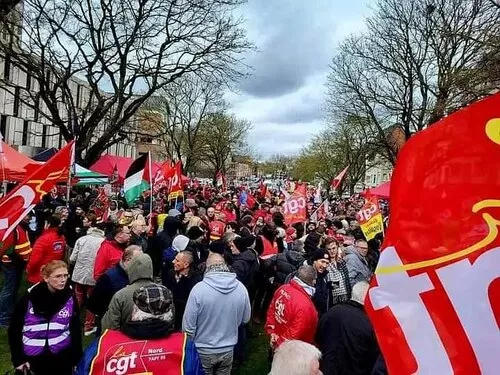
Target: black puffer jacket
(284,264)
(245,265)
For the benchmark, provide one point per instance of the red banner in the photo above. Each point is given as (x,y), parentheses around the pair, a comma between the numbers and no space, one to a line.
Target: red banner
(435,297)
(174,181)
(370,217)
(160,179)
(295,207)
(22,199)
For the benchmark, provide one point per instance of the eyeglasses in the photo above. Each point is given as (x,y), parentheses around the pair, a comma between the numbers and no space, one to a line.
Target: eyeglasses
(60,277)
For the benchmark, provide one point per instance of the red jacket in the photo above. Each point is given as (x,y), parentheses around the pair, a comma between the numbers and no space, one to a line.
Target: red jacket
(270,248)
(50,246)
(108,255)
(291,315)
(217,229)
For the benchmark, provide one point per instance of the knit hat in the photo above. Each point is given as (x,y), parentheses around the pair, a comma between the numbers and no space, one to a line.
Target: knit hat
(154,299)
(180,243)
(243,243)
(217,246)
(217,267)
(320,254)
(194,232)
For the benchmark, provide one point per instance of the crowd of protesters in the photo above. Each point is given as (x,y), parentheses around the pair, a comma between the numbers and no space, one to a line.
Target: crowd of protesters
(190,277)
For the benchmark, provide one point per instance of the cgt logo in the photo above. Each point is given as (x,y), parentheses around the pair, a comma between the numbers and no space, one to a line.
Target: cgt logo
(294,205)
(121,363)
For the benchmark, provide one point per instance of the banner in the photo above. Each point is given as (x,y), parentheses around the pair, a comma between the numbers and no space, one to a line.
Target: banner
(338,180)
(370,217)
(294,208)
(25,196)
(160,179)
(174,182)
(435,297)
(220,181)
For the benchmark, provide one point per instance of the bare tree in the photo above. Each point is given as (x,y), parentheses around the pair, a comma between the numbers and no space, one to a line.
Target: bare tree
(182,107)
(223,136)
(122,53)
(417,62)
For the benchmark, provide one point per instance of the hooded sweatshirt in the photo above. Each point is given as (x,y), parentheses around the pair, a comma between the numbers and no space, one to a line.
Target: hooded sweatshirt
(140,273)
(215,309)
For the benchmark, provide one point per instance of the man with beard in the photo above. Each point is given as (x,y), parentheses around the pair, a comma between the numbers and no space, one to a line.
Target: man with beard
(15,251)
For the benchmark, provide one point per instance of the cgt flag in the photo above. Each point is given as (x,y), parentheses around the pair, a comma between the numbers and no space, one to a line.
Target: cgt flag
(370,218)
(295,208)
(22,199)
(160,179)
(435,297)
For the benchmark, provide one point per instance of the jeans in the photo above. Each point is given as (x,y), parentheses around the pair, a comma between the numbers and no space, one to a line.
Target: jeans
(217,364)
(12,275)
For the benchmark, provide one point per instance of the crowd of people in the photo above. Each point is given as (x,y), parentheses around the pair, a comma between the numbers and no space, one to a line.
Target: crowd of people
(188,280)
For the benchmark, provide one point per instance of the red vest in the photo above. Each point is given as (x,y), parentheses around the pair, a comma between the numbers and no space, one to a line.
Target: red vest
(119,354)
(216,230)
(270,248)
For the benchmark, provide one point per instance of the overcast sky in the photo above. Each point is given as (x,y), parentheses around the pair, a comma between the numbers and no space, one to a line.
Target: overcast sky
(284,96)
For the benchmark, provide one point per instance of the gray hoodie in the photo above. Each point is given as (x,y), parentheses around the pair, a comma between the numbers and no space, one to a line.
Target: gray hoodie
(140,273)
(216,307)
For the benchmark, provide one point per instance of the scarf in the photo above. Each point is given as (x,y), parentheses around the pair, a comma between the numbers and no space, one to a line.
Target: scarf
(310,290)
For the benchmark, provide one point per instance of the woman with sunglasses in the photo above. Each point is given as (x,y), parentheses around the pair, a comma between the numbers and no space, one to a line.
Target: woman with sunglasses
(45,334)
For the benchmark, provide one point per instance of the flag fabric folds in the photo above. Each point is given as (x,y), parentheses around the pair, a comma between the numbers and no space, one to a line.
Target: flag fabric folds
(25,196)
(137,179)
(335,183)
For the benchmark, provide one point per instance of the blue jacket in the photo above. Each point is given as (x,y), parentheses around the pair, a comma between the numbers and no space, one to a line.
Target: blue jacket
(216,307)
(112,281)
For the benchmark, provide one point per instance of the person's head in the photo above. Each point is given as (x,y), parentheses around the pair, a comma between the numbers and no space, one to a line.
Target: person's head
(61,212)
(183,261)
(247,221)
(121,233)
(331,245)
(307,274)
(79,211)
(53,222)
(180,243)
(126,218)
(353,225)
(295,357)
(231,227)
(216,263)
(187,216)
(269,231)
(113,205)
(311,227)
(195,234)
(89,220)
(359,291)
(228,239)
(211,212)
(55,274)
(361,247)
(138,227)
(259,222)
(241,244)
(153,302)
(320,260)
(129,253)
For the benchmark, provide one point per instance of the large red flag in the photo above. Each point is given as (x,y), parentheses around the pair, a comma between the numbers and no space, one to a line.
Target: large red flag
(295,208)
(22,199)
(435,297)
(174,181)
(335,183)
(160,179)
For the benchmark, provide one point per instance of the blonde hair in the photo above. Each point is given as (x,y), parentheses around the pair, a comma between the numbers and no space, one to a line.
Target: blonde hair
(50,267)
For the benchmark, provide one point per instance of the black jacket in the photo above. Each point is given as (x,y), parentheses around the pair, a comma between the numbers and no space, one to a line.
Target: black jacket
(245,265)
(180,291)
(166,236)
(347,341)
(138,240)
(284,264)
(320,297)
(112,281)
(47,304)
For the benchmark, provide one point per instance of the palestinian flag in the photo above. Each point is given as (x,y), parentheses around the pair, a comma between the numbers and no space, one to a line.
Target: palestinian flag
(137,179)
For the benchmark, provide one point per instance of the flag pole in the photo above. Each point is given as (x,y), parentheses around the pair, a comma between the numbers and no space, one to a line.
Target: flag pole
(322,203)
(71,171)
(150,185)
(2,156)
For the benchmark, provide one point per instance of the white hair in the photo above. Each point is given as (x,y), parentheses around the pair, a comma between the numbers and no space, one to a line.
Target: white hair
(294,357)
(359,291)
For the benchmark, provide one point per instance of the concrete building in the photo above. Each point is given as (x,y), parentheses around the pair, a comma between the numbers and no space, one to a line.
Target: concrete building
(26,129)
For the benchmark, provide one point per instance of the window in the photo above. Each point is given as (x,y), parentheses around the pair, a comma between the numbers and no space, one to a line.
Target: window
(3,126)
(17,94)
(28,81)
(44,136)
(6,68)
(26,130)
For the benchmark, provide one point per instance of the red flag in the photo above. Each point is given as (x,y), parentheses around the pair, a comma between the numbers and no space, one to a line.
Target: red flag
(220,181)
(21,200)
(435,297)
(262,188)
(160,179)
(338,180)
(174,181)
(295,209)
